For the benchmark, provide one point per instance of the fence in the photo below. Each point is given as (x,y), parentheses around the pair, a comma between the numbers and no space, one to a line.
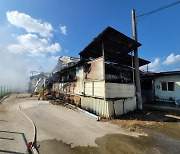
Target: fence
(5,89)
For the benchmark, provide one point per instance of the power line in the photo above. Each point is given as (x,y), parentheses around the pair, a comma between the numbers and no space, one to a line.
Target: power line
(145,15)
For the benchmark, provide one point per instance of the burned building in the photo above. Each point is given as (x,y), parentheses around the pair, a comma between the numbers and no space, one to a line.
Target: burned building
(102,82)
(64,62)
(41,77)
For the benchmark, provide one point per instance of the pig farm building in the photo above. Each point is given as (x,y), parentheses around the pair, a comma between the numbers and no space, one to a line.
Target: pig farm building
(102,80)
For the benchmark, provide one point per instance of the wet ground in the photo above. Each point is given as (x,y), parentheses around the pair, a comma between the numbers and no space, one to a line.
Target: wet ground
(165,139)
(64,131)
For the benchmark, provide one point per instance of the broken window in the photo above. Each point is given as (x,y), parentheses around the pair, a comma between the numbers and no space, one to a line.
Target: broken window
(118,74)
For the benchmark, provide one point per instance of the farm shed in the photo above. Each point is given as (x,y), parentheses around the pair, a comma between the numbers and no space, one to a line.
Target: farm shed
(102,82)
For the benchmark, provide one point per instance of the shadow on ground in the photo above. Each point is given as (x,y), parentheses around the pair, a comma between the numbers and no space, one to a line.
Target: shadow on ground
(7,133)
(152,115)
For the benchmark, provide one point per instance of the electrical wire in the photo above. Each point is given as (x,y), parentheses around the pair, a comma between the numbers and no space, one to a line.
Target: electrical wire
(145,15)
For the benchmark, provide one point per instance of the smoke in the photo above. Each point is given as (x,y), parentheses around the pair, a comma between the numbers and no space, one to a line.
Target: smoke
(13,70)
(23,51)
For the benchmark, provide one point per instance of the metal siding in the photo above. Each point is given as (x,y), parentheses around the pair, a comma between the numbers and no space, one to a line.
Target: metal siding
(94,88)
(129,105)
(110,108)
(97,106)
(88,88)
(118,105)
(117,90)
(99,88)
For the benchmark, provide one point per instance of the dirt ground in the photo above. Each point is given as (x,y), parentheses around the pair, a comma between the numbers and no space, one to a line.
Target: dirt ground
(140,121)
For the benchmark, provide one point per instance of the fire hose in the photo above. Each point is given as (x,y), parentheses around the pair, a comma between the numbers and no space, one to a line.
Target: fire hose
(32,146)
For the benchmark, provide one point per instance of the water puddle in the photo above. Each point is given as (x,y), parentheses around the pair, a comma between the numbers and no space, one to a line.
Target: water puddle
(171,129)
(111,144)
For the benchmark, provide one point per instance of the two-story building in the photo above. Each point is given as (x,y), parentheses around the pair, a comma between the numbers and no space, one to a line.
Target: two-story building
(102,82)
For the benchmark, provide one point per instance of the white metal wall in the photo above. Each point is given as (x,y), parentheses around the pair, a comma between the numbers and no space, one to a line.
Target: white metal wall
(108,108)
(94,88)
(117,90)
(96,106)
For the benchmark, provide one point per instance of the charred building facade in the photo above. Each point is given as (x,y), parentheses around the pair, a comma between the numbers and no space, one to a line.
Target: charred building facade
(102,82)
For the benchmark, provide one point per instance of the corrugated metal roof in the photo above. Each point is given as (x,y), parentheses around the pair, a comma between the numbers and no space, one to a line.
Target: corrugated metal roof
(169,73)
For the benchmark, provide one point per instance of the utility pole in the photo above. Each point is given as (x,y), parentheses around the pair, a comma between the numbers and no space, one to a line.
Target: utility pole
(136,62)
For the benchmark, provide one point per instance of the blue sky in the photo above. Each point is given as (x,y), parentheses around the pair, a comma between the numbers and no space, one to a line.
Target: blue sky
(65,27)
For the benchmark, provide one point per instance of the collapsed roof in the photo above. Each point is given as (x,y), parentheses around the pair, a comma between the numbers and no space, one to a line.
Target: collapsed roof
(64,62)
(116,46)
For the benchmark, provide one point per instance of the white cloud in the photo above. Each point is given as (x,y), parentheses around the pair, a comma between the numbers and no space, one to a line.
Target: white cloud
(63,29)
(33,45)
(31,25)
(154,66)
(171,59)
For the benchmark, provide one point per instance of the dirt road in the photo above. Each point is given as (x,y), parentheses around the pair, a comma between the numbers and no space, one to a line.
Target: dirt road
(62,130)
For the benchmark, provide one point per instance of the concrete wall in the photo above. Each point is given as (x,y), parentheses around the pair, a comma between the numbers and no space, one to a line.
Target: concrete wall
(167,95)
